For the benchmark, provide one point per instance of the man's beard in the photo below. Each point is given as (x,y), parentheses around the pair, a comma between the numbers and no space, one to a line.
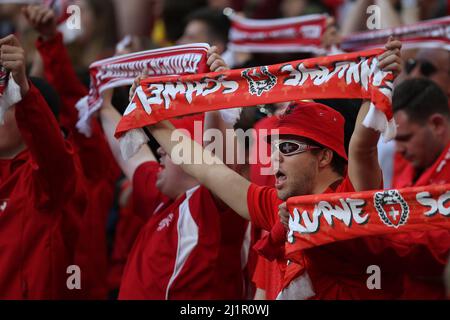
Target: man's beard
(301,186)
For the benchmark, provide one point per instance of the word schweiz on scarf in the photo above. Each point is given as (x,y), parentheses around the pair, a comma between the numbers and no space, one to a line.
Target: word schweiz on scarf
(361,72)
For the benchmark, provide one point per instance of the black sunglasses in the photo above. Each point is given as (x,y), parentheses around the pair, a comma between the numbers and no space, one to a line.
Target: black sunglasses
(426,67)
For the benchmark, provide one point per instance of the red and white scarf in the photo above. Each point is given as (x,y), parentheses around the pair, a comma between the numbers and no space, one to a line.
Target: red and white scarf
(347,76)
(427,34)
(318,220)
(123,70)
(299,34)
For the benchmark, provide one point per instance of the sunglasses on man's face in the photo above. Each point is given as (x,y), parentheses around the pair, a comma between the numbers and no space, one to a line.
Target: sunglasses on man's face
(426,67)
(292,147)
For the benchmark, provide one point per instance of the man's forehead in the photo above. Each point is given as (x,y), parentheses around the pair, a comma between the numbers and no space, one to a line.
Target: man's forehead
(438,56)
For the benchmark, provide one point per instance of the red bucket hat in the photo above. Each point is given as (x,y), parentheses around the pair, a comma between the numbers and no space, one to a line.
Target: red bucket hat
(316,122)
(193,124)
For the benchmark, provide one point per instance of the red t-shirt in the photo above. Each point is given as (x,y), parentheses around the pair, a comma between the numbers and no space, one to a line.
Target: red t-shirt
(338,270)
(189,248)
(99,168)
(42,199)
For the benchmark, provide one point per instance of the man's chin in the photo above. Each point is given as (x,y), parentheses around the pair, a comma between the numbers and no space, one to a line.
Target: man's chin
(283,195)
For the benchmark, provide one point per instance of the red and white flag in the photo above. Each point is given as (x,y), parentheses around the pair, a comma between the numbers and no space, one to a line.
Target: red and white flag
(299,34)
(427,34)
(123,70)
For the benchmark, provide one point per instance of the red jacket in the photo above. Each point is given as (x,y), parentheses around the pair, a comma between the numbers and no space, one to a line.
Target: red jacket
(99,167)
(42,199)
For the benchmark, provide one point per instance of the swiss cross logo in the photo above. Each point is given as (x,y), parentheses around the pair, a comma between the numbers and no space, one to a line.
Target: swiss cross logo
(392,208)
(3,205)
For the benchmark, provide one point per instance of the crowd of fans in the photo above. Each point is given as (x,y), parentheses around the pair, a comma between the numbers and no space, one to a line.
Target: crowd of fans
(145,228)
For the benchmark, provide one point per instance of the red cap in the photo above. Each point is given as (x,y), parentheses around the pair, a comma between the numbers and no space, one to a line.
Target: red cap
(316,122)
(193,124)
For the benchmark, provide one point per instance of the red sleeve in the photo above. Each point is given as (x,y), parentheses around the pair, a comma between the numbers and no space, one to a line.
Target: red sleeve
(263,206)
(52,156)
(259,277)
(60,73)
(96,158)
(146,196)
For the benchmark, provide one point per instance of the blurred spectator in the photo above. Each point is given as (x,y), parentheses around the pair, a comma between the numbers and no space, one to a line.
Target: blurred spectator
(433,64)
(98,36)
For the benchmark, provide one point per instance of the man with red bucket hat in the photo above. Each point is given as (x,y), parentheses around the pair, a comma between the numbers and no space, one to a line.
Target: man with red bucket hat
(310,159)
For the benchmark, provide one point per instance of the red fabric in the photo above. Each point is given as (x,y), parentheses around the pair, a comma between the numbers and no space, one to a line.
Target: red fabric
(352,75)
(123,70)
(318,220)
(43,198)
(272,258)
(338,270)
(317,122)
(99,167)
(155,270)
(127,230)
(268,277)
(295,34)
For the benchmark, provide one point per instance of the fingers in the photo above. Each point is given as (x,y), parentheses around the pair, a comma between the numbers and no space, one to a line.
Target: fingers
(11,57)
(212,51)
(48,16)
(216,63)
(394,44)
(10,40)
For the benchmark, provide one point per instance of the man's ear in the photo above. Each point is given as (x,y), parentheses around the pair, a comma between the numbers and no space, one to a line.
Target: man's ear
(438,123)
(325,158)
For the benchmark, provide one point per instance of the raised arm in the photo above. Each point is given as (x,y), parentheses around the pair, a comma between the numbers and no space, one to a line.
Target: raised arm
(53,160)
(363,167)
(110,118)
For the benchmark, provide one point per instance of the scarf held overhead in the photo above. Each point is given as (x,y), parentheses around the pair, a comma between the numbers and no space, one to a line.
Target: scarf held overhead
(299,34)
(427,34)
(123,70)
(317,220)
(347,76)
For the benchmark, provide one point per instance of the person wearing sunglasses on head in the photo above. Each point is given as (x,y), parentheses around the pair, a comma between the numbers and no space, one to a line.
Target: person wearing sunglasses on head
(311,159)
(433,64)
